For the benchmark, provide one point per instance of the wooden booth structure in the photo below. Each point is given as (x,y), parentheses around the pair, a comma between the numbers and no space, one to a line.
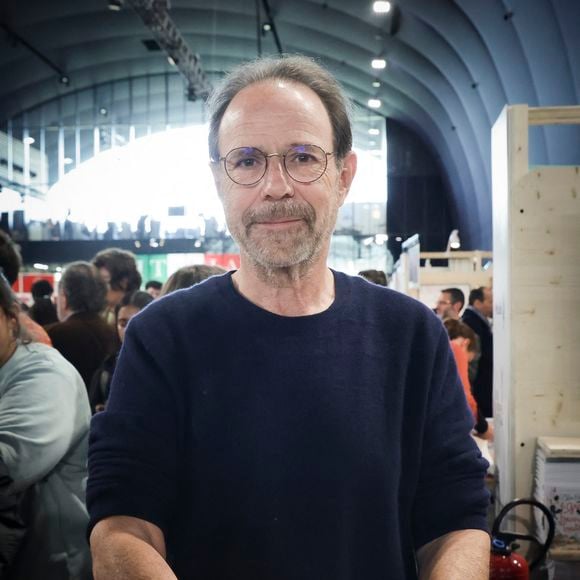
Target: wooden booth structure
(536,251)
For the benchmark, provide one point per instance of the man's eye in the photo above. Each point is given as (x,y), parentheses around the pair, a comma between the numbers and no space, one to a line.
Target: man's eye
(250,162)
(302,158)
(246,162)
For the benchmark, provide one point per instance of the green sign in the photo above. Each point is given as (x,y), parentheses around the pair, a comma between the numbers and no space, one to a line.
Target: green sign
(152,267)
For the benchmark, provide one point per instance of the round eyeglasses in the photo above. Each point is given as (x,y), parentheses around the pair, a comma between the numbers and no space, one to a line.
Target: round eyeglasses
(248,165)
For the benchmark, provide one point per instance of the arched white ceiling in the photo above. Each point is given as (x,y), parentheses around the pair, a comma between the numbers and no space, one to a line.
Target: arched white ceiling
(453,65)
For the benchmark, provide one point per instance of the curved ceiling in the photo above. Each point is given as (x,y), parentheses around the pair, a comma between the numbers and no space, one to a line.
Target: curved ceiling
(452,65)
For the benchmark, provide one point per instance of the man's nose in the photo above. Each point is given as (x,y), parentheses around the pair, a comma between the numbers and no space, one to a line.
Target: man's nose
(276,184)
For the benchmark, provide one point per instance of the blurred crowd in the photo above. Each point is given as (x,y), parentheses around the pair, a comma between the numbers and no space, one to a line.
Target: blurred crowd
(57,359)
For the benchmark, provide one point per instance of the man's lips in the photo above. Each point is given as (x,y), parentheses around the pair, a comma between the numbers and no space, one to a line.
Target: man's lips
(278,222)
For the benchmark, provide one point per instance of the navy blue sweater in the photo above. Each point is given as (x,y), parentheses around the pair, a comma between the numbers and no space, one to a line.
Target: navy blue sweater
(318,447)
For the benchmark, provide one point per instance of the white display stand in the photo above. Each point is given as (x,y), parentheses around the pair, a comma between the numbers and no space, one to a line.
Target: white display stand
(536,250)
(464,270)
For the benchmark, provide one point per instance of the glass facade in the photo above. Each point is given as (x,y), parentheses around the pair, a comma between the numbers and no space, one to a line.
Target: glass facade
(46,156)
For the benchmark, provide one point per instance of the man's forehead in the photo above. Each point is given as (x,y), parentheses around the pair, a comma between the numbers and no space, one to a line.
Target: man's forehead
(279,94)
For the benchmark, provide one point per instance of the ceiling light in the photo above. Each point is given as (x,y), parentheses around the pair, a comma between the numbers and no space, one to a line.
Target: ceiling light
(266,27)
(40,266)
(381,7)
(374,103)
(67,161)
(103,111)
(115,5)
(454,243)
(376,84)
(172,61)
(374,132)
(28,140)
(378,63)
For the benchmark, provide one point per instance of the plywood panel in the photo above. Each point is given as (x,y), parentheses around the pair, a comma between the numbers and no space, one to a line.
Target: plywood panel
(545,286)
(536,221)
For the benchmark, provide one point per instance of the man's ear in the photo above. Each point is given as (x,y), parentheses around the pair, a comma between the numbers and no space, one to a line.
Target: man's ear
(347,174)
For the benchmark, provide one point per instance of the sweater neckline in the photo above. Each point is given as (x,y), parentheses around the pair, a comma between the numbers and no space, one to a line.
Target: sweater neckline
(242,304)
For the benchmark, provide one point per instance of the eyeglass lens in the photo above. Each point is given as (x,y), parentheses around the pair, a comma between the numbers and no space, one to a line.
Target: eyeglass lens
(303,163)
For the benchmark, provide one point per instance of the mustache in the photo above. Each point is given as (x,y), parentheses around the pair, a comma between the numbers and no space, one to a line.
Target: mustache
(278,211)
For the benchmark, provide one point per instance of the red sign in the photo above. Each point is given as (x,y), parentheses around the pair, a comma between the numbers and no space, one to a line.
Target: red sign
(27,279)
(227,261)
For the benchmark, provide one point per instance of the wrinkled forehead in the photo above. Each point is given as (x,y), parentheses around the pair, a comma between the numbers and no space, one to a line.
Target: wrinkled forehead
(275,103)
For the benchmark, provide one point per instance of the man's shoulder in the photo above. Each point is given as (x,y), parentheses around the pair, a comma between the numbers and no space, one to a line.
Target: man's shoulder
(39,359)
(392,301)
(474,320)
(77,325)
(180,305)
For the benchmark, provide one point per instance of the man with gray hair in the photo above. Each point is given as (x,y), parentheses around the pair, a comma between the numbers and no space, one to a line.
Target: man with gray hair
(81,335)
(285,421)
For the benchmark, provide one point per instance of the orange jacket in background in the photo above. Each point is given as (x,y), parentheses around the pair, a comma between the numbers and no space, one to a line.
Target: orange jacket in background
(462,367)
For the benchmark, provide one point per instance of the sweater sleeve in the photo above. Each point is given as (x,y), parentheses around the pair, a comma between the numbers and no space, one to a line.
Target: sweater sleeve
(133,444)
(451,493)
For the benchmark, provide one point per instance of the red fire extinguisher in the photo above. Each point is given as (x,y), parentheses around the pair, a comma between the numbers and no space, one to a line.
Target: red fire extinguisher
(506,564)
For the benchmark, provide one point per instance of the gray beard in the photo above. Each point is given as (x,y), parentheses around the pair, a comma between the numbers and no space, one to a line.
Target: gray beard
(282,255)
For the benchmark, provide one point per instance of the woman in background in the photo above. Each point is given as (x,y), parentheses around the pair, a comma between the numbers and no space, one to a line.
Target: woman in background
(189,276)
(128,306)
(44,426)
(464,346)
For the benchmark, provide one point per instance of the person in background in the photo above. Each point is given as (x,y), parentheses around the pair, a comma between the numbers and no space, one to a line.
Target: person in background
(450,303)
(10,262)
(43,310)
(82,336)
(118,269)
(44,427)
(465,347)
(374,276)
(477,316)
(285,421)
(153,287)
(129,305)
(188,276)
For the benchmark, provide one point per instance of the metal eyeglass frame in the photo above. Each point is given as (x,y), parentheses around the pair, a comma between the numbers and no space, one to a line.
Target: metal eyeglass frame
(283,158)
